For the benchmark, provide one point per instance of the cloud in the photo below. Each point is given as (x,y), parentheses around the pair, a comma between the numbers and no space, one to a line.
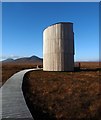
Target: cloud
(3,57)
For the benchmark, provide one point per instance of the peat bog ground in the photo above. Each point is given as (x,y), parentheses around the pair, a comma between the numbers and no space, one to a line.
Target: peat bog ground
(8,69)
(61,95)
(64,95)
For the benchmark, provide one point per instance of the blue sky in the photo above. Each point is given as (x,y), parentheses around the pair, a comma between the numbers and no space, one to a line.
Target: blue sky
(23,24)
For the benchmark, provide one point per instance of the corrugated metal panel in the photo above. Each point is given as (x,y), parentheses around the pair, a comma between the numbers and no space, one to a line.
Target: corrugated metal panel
(58,47)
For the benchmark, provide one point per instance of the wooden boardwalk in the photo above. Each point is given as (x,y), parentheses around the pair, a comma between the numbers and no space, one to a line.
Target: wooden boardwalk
(12,101)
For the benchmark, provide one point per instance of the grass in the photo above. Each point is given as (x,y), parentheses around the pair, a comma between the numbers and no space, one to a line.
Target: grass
(61,95)
(64,95)
(8,69)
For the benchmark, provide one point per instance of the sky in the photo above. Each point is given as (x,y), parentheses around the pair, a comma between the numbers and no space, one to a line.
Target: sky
(23,24)
(51,0)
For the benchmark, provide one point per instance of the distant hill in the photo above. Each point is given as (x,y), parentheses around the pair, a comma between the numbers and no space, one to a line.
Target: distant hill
(25,60)
(8,60)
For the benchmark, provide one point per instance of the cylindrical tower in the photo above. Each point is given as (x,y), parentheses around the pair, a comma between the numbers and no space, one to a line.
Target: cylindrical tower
(58,47)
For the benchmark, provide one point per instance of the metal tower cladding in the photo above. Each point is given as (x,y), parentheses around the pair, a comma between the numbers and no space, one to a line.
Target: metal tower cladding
(58,47)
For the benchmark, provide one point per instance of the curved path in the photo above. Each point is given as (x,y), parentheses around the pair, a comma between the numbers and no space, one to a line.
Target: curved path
(12,99)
